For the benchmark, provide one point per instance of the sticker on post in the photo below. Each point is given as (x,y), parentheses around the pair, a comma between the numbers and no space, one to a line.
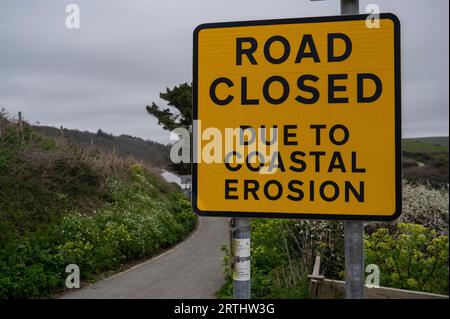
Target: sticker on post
(241,270)
(241,247)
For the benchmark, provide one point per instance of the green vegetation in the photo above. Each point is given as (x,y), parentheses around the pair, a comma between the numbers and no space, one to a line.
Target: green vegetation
(179,116)
(426,144)
(61,204)
(410,257)
(426,159)
(412,253)
(283,254)
(153,153)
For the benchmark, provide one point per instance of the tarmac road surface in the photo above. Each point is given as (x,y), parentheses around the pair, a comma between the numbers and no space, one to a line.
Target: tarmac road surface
(192,269)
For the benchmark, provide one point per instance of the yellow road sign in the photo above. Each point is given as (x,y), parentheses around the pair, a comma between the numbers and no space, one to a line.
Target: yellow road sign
(298,118)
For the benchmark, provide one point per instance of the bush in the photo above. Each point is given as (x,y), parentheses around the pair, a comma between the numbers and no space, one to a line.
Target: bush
(410,257)
(283,251)
(138,222)
(283,254)
(422,204)
(64,204)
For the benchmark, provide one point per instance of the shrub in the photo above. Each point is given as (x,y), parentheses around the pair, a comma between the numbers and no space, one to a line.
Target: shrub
(138,222)
(410,257)
(422,204)
(64,204)
(283,254)
(283,251)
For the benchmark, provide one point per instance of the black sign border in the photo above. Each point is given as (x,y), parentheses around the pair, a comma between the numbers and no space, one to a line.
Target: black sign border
(398,130)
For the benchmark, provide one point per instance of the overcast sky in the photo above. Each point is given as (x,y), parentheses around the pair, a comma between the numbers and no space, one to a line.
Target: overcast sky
(126,52)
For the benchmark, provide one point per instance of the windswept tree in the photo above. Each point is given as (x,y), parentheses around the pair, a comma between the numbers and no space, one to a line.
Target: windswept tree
(179,115)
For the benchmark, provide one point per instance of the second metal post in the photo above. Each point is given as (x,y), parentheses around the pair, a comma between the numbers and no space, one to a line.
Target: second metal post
(354,230)
(354,260)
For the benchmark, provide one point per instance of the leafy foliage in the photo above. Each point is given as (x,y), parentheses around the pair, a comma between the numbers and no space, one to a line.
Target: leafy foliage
(41,179)
(411,257)
(283,254)
(180,98)
(137,223)
(62,204)
(180,115)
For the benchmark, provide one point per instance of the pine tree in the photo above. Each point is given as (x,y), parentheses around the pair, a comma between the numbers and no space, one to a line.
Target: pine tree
(180,98)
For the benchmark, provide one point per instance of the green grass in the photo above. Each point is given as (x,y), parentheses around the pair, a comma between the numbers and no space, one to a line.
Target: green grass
(426,144)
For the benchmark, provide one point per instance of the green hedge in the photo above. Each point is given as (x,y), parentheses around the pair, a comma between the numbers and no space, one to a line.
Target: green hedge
(410,257)
(143,218)
(276,270)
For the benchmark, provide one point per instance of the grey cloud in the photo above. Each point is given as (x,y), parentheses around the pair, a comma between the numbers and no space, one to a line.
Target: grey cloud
(126,52)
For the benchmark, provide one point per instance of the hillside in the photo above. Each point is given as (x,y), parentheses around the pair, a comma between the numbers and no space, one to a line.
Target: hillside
(436,144)
(153,153)
(426,159)
(62,203)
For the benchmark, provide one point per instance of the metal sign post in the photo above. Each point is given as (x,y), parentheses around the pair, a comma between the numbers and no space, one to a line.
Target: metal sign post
(349,7)
(354,230)
(241,258)
(354,260)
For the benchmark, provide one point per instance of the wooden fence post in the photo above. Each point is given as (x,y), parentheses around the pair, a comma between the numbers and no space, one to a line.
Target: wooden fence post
(20,123)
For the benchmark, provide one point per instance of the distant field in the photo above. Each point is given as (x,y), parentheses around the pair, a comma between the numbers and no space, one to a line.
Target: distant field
(437,144)
(426,159)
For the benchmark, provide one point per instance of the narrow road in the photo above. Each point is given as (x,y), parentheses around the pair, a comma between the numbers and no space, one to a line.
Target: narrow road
(193,269)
